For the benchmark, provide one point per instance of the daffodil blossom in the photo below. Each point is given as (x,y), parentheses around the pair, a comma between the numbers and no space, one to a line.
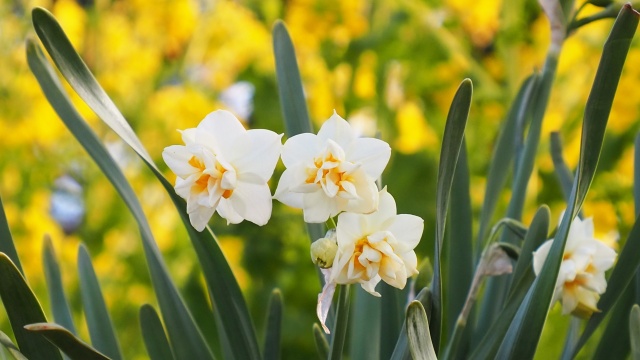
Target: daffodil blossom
(224,167)
(332,171)
(581,277)
(377,246)
(372,248)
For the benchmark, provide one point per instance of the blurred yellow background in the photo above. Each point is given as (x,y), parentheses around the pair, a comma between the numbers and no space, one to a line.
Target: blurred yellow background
(387,65)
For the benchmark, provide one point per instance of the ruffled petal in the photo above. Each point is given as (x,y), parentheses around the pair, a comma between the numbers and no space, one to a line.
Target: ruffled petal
(177,158)
(220,130)
(252,202)
(338,130)
(257,152)
(300,149)
(372,154)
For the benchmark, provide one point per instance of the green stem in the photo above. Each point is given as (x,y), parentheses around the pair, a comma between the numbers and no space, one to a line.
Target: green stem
(340,328)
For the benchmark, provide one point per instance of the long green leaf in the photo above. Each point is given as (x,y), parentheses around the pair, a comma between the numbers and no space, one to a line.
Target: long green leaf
(523,278)
(390,319)
(634,332)
(401,351)
(6,240)
(451,144)
(365,325)
(294,106)
(183,333)
(459,249)
(59,304)
(342,320)
(534,108)
(322,345)
(420,343)
(23,309)
(523,335)
(99,322)
(227,296)
(614,342)
(273,327)
(73,347)
(13,350)
(565,177)
(153,334)
(502,158)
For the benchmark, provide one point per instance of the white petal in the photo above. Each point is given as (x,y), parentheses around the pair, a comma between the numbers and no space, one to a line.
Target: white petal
(301,148)
(256,151)
(189,135)
(407,229)
(284,193)
(200,217)
(252,202)
(604,257)
(569,301)
(317,207)
(370,286)
(227,212)
(540,255)
(338,130)
(220,130)
(368,196)
(351,228)
(372,154)
(410,262)
(177,158)
(324,300)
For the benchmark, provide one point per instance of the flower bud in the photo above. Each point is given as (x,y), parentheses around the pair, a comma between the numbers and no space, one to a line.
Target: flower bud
(323,250)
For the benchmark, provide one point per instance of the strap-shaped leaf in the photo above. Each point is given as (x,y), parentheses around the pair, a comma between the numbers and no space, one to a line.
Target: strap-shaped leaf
(23,309)
(451,144)
(459,248)
(401,350)
(322,345)
(365,325)
(73,347)
(391,318)
(523,276)
(153,334)
(614,342)
(229,303)
(6,240)
(339,332)
(103,336)
(78,75)
(565,177)
(273,327)
(13,350)
(183,333)
(294,105)
(502,158)
(227,296)
(59,304)
(524,332)
(420,343)
(634,332)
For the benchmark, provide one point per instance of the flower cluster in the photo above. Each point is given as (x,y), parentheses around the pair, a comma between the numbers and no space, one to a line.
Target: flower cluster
(581,278)
(223,167)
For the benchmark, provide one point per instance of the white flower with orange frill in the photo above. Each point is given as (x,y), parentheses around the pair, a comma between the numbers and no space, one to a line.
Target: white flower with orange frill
(225,168)
(581,277)
(372,248)
(332,172)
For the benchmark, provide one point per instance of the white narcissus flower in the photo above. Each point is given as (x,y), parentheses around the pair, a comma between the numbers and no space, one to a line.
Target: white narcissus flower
(224,167)
(581,277)
(377,246)
(332,172)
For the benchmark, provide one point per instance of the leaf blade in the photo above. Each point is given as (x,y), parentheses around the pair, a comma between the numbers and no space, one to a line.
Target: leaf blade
(59,303)
(153,334)
(72,346)
(22,309)
(420,343)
